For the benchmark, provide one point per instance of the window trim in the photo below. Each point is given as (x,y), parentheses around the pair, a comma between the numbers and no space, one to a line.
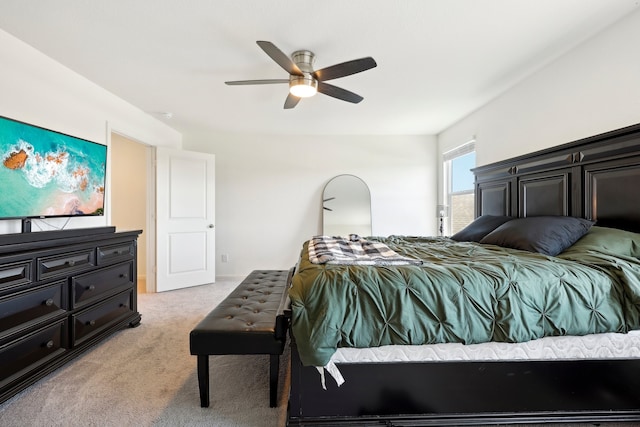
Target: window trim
(465,148)
(447,158)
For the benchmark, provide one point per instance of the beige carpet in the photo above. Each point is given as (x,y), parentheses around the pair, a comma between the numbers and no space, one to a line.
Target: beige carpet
(146,377)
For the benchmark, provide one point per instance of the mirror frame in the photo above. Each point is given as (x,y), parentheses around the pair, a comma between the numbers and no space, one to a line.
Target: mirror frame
(358,228)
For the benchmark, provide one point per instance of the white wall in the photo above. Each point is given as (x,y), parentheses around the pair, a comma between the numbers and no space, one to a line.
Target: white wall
(592,89)
(269,190)
(35,89)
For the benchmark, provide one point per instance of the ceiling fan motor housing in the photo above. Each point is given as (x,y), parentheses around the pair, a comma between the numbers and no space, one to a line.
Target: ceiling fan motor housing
(304,60)
(305,85)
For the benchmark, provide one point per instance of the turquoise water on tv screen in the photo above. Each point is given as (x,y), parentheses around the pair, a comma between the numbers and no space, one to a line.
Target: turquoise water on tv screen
(45,173)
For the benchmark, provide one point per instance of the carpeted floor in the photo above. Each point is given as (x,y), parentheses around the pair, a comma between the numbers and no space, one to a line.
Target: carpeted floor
(146,377)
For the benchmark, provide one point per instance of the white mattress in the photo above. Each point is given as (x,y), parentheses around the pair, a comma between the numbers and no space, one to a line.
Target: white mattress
(596,346)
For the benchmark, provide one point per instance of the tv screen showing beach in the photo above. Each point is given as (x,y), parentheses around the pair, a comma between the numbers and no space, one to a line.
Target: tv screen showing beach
(46,173)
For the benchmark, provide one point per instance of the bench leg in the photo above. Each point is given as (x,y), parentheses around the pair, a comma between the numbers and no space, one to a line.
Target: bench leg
(203,379)
(273,380)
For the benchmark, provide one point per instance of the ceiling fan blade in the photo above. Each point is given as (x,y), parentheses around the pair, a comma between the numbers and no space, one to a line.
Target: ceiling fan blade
(339,93)
(256,82)
(279,57)
(291,101)
(345,69)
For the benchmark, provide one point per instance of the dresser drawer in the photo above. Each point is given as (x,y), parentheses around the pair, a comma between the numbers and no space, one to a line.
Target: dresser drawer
(15,274)
(86,288)
(28,308)
(64,265)
(116,253)
(94,320)
(26,354)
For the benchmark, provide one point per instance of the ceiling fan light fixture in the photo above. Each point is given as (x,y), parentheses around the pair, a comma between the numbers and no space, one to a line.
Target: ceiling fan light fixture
(303,86)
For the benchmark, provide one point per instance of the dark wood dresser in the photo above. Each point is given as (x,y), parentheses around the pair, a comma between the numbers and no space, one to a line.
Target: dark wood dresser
(61,292)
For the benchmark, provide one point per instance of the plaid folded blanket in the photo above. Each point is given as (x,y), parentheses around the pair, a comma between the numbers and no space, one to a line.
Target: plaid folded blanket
(354,250)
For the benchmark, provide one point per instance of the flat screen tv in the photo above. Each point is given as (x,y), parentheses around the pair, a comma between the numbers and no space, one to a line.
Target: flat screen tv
(44,173)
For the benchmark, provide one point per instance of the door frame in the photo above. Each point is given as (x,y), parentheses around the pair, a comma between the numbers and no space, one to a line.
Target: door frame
(151,220)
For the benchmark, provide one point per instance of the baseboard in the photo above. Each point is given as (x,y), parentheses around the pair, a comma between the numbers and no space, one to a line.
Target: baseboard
(229,278)
(142,284)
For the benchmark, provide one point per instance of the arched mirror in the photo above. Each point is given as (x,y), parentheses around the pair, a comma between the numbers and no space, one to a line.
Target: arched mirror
(346,204)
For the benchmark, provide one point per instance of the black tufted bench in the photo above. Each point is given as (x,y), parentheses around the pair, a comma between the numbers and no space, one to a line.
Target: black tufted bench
(250,320)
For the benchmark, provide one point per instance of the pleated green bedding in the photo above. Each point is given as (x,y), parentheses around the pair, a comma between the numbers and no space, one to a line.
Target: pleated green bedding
(465,293)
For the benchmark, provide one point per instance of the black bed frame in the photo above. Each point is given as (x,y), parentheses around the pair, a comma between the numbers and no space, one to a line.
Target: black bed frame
(596,178)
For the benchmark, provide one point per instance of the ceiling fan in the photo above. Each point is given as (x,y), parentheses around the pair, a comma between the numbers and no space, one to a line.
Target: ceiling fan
(304,81)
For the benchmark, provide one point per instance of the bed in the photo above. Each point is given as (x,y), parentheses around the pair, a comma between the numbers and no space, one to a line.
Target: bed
(472,366)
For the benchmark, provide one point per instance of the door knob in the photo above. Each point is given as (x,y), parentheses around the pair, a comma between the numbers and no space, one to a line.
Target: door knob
(210,225)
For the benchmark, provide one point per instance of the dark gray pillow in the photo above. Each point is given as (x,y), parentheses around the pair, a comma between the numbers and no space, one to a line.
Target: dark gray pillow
(549,235)
(480,227)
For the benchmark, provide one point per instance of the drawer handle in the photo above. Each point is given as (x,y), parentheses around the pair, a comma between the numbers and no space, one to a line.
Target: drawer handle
(71,263)
(91,323)
(49,302)
(124,276)
(119,252)
(91,288)
(49,344)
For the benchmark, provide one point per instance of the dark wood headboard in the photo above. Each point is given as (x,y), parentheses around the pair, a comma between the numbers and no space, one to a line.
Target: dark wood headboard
(596,178)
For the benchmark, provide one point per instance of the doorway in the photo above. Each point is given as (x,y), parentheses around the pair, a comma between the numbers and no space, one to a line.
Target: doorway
(129,197)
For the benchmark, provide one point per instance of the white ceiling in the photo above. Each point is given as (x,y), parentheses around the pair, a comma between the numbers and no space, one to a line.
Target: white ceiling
(438,60)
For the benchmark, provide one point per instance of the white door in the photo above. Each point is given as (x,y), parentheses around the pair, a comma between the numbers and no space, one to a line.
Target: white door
(185,214)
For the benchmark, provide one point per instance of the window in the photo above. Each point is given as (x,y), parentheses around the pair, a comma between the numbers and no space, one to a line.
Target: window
(459,185)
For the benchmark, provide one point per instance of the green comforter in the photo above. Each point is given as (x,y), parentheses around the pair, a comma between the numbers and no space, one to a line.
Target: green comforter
(465,293)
